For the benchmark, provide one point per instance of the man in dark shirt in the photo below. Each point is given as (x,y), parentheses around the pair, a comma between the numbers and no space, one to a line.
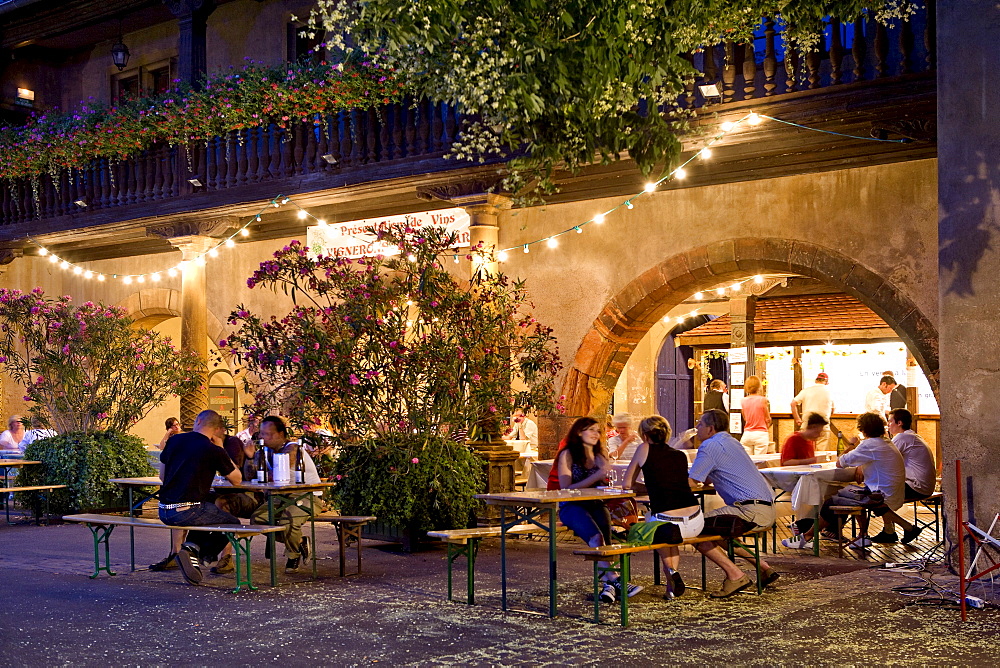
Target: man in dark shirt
(190,462)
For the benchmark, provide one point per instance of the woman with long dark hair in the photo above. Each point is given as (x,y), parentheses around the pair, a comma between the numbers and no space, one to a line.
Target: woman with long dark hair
(665,473)
(581,464)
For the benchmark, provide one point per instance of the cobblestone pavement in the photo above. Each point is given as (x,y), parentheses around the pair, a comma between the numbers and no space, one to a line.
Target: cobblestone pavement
(822,612)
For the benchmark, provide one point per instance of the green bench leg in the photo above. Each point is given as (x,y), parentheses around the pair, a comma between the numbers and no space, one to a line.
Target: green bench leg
(101,535)
(241,553)
(624,575)
(469,551)
(743,543)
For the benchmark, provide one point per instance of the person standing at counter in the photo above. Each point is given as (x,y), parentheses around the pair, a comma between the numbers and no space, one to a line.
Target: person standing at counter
(877,399)
(717,397)
(813,399)
(756,418)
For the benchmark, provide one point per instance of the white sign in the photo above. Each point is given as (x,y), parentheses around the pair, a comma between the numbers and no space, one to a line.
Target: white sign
(353,240)
(737,355)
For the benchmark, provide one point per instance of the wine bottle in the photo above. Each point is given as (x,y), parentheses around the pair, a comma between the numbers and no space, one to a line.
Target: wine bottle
(263,473)
(300,466)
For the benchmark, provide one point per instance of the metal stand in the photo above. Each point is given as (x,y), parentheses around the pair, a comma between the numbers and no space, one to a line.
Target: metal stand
(241,553)
(101,535)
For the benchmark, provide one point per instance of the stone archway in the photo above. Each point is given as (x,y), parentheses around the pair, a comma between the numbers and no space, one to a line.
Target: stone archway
(624,321)
(151,306)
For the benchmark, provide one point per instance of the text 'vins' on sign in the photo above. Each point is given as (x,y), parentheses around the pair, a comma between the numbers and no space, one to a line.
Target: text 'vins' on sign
(353,239)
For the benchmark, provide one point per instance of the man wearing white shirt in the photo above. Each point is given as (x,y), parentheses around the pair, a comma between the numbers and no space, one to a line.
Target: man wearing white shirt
(877,399)
(523,429)
(624,445)
(247,434)
(36,433)
(813,399)
(921,474)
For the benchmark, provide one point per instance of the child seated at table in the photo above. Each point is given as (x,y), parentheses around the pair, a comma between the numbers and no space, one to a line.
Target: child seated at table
(581,464)
(665,471)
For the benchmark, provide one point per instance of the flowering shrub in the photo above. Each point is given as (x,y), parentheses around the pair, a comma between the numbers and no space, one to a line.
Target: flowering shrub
(249,97)
(85,368)
(394,343)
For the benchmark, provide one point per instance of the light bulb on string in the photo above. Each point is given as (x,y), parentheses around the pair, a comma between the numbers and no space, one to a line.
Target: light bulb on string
(302,214)
(599,218)
(737,286)
(321,222)
(552,242)
(705,153)
(140,279)
(127,280)
(526,248)
(155,277)
(100,277)
(230,243)
(727,126)
(43,251)
(88,274)
(758,279)
(502,256)
(754,118)
(629,205)
(77,270)
(257,219)
(699,295)
(213,252)
(64,265)
(53,259)
(650,187)
(721,292)
(680,173)
(172,272)
(285,200)
(200,260)
(579,230)
(245,232)
(456,259)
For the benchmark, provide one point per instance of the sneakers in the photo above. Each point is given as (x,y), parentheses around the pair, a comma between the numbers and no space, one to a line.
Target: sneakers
(884,537)
(769,576)
(304,549)
(609,594)
(633,589)
(169,562)
(677,587)
(910,534)
(292,564)
(730,587)
(860,543)
(826,534)
(225,565)
(797,543)
(187,560)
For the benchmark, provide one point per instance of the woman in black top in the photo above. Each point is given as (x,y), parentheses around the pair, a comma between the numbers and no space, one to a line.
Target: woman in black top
(665,472)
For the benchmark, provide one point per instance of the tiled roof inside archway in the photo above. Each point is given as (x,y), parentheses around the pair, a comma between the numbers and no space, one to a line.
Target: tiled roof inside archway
(806,313)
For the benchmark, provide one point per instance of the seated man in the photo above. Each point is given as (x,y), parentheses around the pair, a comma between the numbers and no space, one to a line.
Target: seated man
(274,434)
(626,441)
(884,476)
(800,447)
(921,474)
(190,462)
(723,462)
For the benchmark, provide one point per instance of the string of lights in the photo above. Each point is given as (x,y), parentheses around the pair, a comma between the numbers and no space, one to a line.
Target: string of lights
(679,173)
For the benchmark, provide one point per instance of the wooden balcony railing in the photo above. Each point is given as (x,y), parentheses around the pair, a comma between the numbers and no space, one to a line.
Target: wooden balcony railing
(350,143)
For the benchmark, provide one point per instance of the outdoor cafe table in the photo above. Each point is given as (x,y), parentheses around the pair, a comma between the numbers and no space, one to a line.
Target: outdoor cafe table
(269,490)
(7,464)
(810,485)
(528,507)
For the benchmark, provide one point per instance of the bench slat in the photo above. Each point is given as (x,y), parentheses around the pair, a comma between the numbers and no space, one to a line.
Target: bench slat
(461,536)
(350,519)
(33,488)
(615,550)
(151,523)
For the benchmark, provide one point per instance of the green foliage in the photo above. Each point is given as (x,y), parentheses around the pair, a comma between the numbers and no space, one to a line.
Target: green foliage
(411,481)
(568,82)
(84,462)
(86,368)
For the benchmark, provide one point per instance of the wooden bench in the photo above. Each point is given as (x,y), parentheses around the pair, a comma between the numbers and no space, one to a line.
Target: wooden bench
(842,513)
(32,488)
(932,503)
(348,529)
(239,536)
(465,542)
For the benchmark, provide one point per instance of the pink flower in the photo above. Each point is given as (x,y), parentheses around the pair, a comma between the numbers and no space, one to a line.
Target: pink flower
(223,343)
(296,359)
(475,376)
(339,477)
(321,372)
(415,460)
(354,379)
(140,367)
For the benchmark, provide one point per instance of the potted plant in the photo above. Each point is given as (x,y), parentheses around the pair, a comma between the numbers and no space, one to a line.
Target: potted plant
(402,358)
(89,374)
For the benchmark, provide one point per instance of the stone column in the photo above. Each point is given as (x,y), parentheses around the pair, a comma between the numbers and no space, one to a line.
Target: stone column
(192,22)
(968,140)
(193,240)
(741,315)
(484,228)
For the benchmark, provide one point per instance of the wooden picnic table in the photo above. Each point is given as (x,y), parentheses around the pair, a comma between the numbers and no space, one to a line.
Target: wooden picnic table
(527,507)
(7,464)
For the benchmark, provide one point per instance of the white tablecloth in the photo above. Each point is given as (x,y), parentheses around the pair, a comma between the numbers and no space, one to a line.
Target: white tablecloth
(810,484)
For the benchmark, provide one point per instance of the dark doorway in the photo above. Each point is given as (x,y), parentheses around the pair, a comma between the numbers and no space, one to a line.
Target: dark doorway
(674,385)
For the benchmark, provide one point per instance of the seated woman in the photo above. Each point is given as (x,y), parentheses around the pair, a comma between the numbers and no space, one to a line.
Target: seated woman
(665,471)
(584,463)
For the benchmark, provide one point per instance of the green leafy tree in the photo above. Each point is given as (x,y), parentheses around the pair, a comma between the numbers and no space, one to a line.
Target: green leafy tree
(87,368)
(565,82)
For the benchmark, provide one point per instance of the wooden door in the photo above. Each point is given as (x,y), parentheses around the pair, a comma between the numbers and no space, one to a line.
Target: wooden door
(674,385)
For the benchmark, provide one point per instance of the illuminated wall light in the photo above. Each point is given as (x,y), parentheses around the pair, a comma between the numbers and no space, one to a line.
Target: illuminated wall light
(706,153)
(699,295)
(43,251)
(680,174)
(629,205)
(302,214)
(127,280)
(552,242)
(53,259)
(77,270)
(245,232)
(502,256)
(230,243)
(88,274)
(650,187)
(758,279)
(100,277)
(754,118)
(599,218)
(526,250)
(721,292)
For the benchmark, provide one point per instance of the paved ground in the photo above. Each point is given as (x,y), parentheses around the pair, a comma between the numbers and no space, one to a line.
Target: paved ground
(824,611)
